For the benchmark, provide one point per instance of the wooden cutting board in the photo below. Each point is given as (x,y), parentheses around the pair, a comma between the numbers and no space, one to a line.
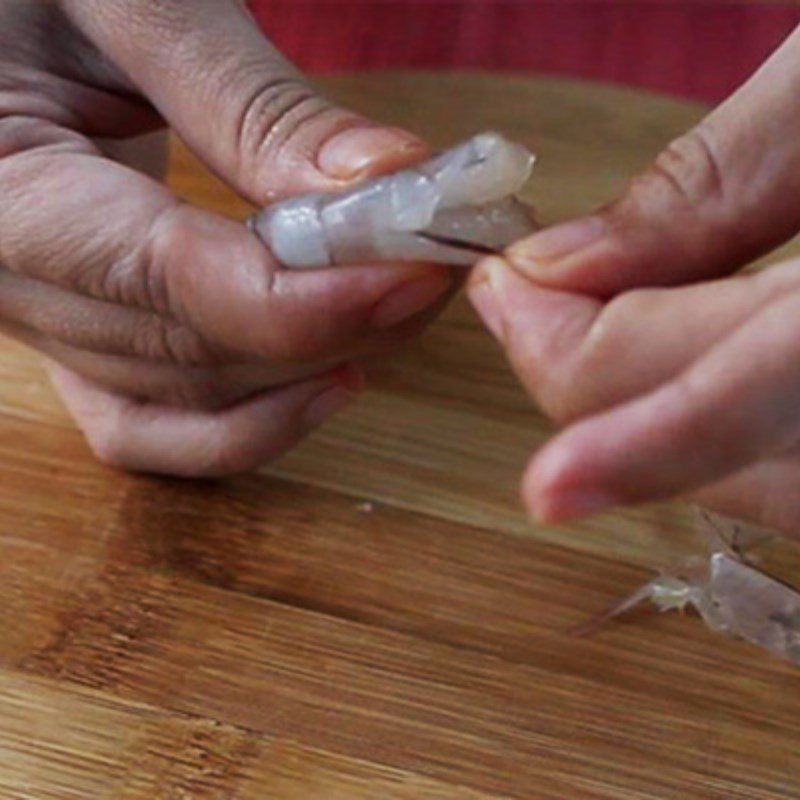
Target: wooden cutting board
(373,616)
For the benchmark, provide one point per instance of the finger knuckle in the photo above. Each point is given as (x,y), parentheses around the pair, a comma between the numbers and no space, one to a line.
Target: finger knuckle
(270,118)
(138,276)
(688,173)
(168,341)
(170,232)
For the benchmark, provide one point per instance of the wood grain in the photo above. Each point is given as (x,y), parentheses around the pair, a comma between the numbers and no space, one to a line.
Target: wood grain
(272,636)
(129,623)
(110,749)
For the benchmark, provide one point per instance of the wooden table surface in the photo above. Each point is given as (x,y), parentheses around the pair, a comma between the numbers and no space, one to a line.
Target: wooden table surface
(373,616)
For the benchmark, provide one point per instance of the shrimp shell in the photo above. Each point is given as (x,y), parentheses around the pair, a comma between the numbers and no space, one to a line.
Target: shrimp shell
(452,209)
(729,592)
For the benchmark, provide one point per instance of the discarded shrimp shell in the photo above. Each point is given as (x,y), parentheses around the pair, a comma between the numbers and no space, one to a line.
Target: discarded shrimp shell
(730,594)
(747,603)
(452,209)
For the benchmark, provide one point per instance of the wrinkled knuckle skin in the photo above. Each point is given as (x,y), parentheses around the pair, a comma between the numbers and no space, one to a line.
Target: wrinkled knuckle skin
(270,119)
(168,234)
(139,276)
(167,341)
(687,174)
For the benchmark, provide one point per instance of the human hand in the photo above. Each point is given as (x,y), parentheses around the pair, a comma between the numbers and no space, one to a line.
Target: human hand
(180,345)
(691,390)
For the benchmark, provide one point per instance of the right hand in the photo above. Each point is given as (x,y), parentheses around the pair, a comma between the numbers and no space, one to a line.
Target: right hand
(671,374)
(178,344)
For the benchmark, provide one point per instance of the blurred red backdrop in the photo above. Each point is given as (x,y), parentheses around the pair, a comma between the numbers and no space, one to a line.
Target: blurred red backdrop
(694,48)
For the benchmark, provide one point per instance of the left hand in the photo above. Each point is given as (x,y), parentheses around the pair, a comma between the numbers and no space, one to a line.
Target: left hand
(686,391)
(177,341)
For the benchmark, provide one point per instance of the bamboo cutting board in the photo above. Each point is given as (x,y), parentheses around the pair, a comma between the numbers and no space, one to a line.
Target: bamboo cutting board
(373,616)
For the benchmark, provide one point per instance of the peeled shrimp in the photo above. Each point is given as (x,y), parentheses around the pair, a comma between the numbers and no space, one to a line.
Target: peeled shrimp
(452,209)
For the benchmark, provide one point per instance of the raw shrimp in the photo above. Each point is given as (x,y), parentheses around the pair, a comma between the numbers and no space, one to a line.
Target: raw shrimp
(452,209)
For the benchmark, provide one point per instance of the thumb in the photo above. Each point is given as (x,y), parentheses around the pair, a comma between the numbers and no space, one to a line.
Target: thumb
(716,198)
(245,110)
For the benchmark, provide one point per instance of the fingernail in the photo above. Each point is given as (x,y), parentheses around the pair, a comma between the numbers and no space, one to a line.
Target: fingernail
(573,505)
(483,296)
(541,249)
(362,151)
(409,300)
(325,405)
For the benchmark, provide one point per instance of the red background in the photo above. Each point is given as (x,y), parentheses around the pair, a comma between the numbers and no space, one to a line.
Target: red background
(695,48)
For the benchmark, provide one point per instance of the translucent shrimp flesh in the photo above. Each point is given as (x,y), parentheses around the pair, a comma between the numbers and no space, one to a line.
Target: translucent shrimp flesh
(452,209)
